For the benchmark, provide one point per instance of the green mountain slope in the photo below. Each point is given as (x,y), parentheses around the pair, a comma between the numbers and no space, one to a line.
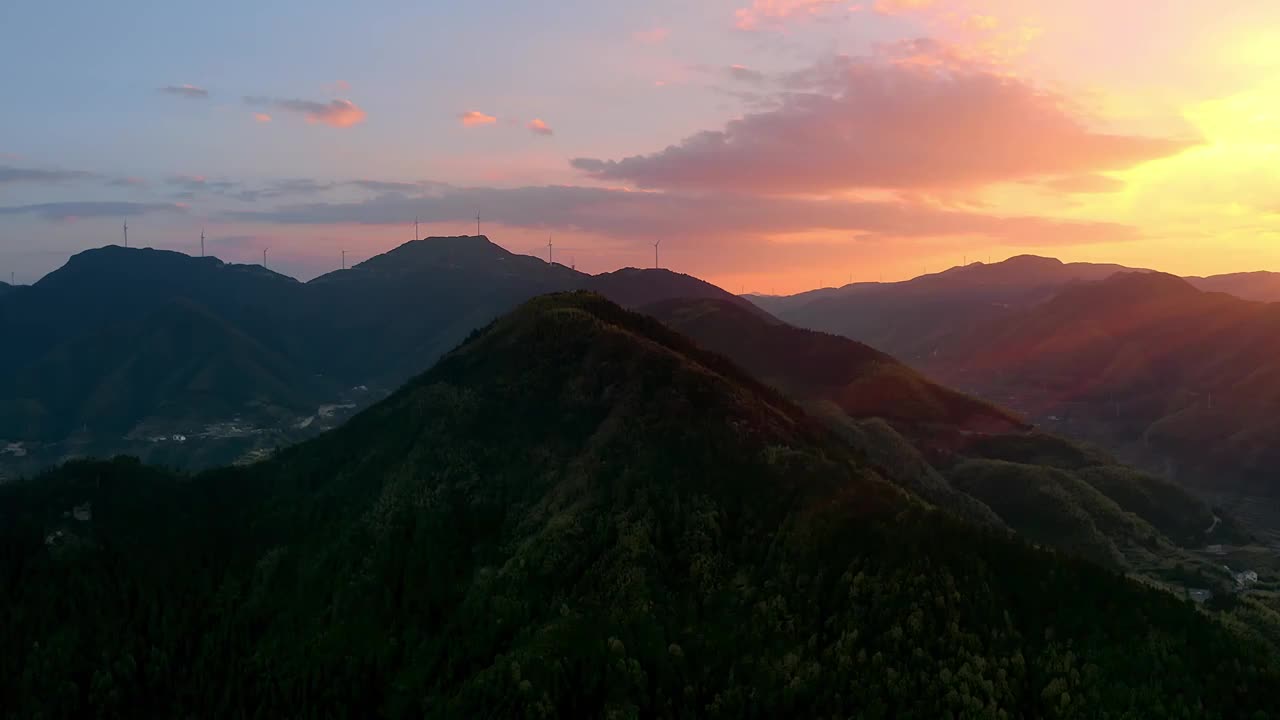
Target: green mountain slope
(577,513)
(179,366)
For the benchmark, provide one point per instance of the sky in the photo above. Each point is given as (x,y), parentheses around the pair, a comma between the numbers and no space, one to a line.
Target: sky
(768,145)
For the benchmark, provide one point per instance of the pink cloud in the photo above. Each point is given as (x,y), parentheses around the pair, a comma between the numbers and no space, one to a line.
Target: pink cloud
(538,127)
(875,123)
(656,36)
(767,13)
(335,113)
(262,117)
(475,118)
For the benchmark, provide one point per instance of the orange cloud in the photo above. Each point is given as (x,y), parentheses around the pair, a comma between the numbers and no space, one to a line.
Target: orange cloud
(538,127)
(262,117)
(764,13)
(872,123)
(475,118)
(335,113)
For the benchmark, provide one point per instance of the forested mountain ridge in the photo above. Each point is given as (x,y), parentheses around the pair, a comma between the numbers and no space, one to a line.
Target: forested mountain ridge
(576,513)
(337,342)
(962,454)
(1146,363)
(861,380)
(179,365)
(909,319)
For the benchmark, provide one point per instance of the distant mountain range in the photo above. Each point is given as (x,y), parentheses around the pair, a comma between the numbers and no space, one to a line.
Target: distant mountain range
(910,319)
(1147,363)
(1183,381)
(960,453)
(121,347)
(194,363)
(581,512)
(1260,286)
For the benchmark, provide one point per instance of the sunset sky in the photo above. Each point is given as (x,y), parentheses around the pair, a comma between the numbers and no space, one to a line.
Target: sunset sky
(772,145)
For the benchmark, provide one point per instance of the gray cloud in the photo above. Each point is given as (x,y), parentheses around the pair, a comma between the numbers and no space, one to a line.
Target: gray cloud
(745,74)
(90,209)
(190,92)
(634,215)
(193,186)
(10,175)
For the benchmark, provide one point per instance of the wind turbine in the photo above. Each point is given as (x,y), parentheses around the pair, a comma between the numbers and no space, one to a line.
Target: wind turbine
(201,242)
(264,257)
(416,235)
(344,259)
(549,262)
(126,233)
(655,253)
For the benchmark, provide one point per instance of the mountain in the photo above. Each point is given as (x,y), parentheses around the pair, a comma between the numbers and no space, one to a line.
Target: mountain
(634,287)
(1260,286)
(959,453)
(5,288)
(110,286)
(1146,364)
(179,367)
(910,319)
(387,318)
(575,513)
(89,343)
(861,381)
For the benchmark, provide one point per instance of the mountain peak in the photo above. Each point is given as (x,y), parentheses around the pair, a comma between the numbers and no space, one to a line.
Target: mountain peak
(114,265)
(636,287)
(1149,282)
(436,250)
(1037,261)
